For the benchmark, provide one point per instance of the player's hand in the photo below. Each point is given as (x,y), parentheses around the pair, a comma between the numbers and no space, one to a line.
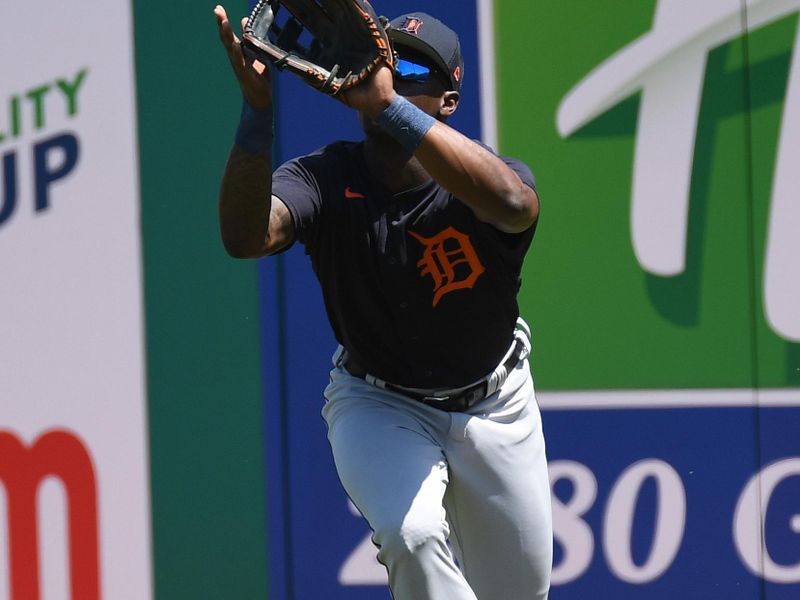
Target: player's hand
(372,95)
(253,76)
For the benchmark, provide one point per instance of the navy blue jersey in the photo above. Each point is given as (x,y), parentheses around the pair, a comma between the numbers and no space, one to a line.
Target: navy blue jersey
(417,289)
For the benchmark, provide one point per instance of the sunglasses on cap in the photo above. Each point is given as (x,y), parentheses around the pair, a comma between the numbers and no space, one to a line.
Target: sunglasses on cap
(408,70)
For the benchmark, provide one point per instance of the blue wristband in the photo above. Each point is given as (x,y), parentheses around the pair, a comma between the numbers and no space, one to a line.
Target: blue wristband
(406,123)
(254,134)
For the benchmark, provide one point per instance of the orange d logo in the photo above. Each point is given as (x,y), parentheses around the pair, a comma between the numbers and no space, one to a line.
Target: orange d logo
(450,260)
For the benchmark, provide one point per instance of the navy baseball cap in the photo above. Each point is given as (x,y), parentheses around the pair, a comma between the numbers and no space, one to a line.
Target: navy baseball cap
(433,39)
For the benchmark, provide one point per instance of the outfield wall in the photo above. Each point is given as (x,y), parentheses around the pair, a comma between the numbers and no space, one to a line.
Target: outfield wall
(661,290)
(159,402)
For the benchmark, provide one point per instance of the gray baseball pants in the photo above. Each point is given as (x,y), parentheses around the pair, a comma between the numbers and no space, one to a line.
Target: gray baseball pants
(423,477)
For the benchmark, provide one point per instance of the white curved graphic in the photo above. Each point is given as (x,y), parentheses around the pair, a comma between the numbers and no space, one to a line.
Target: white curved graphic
(782,268)
(667,65)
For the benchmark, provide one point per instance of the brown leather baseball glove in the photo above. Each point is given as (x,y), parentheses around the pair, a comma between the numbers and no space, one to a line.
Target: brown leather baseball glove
(333,45)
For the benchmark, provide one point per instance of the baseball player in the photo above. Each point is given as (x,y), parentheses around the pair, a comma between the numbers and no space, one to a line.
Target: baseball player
(417,235)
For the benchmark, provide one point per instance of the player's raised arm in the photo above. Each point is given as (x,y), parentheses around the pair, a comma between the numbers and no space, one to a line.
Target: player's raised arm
(481,179)
(252,222)
(414,113)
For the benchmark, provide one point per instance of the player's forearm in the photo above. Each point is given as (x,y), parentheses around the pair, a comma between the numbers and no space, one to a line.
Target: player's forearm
(479,178)
(244,203)
(472,173)
(245,194)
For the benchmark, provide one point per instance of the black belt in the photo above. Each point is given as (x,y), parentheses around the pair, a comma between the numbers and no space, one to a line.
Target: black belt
(459,400)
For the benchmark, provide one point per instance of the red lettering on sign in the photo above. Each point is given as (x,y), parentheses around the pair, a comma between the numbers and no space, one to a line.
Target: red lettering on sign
(59,454)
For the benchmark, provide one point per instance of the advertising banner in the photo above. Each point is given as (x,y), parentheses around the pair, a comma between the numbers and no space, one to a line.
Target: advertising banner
(664,301)
(662,289)
(74,516)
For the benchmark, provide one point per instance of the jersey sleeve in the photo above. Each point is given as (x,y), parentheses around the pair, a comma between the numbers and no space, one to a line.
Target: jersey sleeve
(297,186)
(522,170)
(515,245)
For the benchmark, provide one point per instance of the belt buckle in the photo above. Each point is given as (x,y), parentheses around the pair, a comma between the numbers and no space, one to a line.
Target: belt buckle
(435,398)
(461,401)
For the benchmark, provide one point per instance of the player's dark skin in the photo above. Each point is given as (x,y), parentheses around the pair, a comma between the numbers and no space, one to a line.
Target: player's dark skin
(254,223)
